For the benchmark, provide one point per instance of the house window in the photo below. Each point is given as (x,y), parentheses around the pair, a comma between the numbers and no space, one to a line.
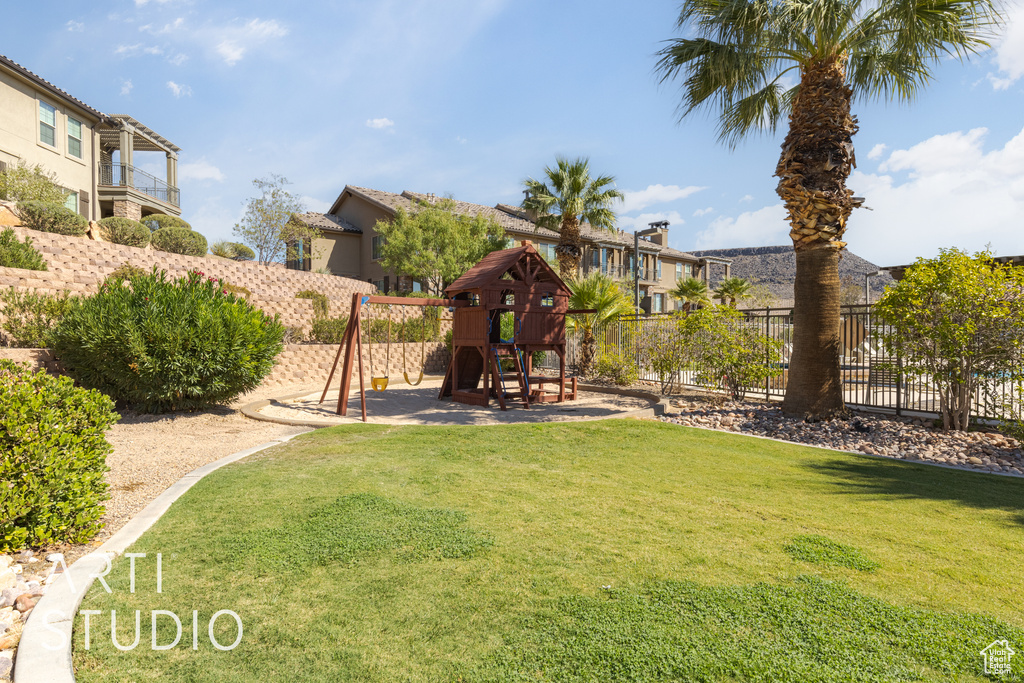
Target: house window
(377,247)
(547,299)
(379,284)
(416,287)
(657,265)
(679,271)
(656,303)
(688,269)
(72,201)
(595,257)
(75,138)
(47,124)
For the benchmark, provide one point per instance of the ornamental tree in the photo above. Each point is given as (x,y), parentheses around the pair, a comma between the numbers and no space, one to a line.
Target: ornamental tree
(434,245)
(957,320)
(269,225)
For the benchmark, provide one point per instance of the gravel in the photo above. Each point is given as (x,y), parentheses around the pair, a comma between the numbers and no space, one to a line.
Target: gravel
(151,452)
(894,437)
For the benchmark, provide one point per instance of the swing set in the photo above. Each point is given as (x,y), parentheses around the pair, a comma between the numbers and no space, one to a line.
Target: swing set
(516,287)
(352,345)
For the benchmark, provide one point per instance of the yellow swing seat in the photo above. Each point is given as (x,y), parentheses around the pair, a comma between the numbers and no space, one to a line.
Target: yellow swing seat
(379,383)
(410,382)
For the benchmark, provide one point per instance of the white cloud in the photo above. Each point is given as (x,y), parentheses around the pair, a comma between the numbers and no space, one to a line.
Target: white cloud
(314,204)
(200,170)
(954,193)
(178,59)
(251,34)
(75,26)
(153,50)
(765,227)
(179,90)
(747,198)
(656,194)
(877,151)
(140,3)
(379,124)
(642,222)
(1009,51)
(126,86)
(703,212)
(461,140)
(127,49)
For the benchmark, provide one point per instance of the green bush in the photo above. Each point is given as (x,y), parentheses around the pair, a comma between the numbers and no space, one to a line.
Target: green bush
(52,217)
(237,290)
(328,330)
(30,183)
(30,317)
(125,271)
(124,231)
(232,250)
(158,345)
(179,241)
(321,304)
(617,368)
(15,254)
(158,221)
(52,438)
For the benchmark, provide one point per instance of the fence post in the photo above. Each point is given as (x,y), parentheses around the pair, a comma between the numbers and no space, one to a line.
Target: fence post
(899,383)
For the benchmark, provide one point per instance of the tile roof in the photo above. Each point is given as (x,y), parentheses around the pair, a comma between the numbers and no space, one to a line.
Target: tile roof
(512,218)
(327,222)
(50,87)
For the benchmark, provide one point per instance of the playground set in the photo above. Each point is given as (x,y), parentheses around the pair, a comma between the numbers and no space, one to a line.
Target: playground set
(504,309)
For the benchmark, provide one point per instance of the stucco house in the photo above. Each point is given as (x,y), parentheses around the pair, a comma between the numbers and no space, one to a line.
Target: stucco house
(91,153)
(351,247)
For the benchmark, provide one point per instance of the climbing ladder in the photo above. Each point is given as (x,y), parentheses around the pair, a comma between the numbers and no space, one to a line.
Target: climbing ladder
(498,352)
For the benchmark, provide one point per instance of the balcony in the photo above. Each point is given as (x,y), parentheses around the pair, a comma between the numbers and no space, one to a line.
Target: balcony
(621,272)
(125,175)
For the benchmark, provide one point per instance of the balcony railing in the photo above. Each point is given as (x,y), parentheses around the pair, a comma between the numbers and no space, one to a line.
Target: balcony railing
(124,175)
(621,272)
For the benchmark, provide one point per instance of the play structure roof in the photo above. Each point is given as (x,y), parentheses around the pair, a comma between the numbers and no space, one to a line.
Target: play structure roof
(491,268)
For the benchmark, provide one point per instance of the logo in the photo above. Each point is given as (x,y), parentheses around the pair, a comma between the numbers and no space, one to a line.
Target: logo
(997,657)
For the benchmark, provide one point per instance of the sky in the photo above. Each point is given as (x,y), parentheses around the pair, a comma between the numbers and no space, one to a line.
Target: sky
(470,97)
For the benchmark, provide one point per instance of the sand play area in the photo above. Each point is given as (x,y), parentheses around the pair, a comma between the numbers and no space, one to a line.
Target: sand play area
(403,404)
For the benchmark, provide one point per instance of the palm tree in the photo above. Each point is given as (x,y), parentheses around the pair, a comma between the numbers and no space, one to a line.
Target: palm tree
(732,288)
(569,198)
(690,291)
(599,293)
(734,62)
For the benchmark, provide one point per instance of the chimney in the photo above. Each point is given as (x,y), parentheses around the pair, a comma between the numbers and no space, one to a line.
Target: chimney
(657,233)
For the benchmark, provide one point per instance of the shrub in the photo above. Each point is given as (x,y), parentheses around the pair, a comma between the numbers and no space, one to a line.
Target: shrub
(616,368)
(30,317)
(158,221)
(52,217)
(23,183)
(179,241)
(125,271)
(15,254)
(52,438)
(232,250)
(158,345)
(124,231)
(321,304)
(328,330)
(293,335)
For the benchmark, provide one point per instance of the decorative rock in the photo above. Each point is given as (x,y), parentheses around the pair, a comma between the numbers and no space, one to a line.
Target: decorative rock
(6,561)
(10,640)
(24,556)
(6,665)
(7,579)
(975,461)
(55,557)
(25,602)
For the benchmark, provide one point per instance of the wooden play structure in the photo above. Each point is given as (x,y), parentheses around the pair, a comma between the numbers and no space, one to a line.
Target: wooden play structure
(508,306)
(514,304)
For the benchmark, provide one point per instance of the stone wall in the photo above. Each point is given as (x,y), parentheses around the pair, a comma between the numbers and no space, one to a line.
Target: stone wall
(79,265)
(311,363)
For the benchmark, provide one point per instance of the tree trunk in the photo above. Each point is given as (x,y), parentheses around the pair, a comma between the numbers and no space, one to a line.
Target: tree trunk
(587,352)
(817,158)
(569,250)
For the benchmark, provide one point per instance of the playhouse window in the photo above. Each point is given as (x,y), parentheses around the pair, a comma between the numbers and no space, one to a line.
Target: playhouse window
(474,299)
(547,299)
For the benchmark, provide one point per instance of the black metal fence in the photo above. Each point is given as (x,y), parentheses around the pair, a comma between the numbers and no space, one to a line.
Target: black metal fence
(872,378)
(124,175)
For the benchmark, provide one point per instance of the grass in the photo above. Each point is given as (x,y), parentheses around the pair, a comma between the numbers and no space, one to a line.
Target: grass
(613,550)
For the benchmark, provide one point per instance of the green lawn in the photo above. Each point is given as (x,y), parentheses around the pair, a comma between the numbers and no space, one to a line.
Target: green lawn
(599,551)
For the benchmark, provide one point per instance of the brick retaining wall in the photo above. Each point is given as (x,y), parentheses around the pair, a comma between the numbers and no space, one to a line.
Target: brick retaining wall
(79,264)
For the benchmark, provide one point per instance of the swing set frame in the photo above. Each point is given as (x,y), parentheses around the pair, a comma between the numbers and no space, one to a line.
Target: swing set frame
(352,344)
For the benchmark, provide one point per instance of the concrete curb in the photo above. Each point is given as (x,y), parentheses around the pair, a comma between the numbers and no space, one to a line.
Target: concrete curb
(44,653)
(660,405)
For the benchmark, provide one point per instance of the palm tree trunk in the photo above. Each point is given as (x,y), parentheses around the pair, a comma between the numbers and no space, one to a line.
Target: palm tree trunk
(817,158)
(569,250)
